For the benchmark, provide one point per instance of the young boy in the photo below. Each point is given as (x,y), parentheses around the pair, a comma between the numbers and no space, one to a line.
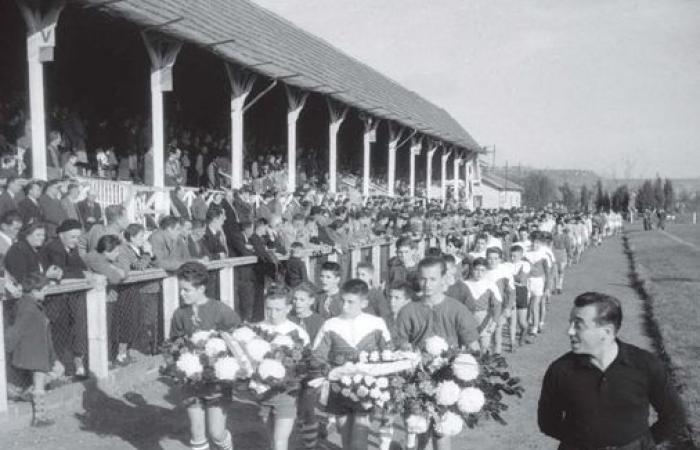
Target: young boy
(378,304)
(30,343)
(295,272)
(199,313)
(281,407)
(328,301)
(537,281)
(501,274)
(401,267)
(340,339)
(303,300)
(487,299)
(521,271)
(435,314)
(456,287)
(400,294)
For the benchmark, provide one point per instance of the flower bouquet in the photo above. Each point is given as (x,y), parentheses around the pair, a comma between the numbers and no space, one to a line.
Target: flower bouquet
(202,361)
(371,382)
(452,388)
(277,363)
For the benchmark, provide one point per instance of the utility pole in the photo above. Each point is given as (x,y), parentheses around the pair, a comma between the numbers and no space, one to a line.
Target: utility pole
(506,182)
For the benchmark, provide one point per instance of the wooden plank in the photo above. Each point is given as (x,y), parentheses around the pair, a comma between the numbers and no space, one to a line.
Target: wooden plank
(98,342)
(226,286)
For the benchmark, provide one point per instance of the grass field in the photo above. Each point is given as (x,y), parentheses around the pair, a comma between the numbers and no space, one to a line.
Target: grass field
(671,269)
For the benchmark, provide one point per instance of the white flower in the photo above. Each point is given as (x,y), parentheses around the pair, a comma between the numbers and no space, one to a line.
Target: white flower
(362,356)
(447,393)
(243,334)
(385,397)
(471,400)
(271,368)
(374,356)
(200,337)
(370,380)
(435,345)
(283,340)
(382,383)
(450,424)
(465,367)
(416,424)
(362,392)
(214,346)
(353,397)
(366,404)
(258,388)
(375,393)
(257,349)
(190,364)
(357,379)
(346,380)
(387,355)
(345,392)
(226,368)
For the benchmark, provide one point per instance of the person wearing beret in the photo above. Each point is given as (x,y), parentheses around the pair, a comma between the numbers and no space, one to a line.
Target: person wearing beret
(67,312)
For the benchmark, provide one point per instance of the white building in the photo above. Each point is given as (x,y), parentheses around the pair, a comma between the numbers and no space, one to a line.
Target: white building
(493,192)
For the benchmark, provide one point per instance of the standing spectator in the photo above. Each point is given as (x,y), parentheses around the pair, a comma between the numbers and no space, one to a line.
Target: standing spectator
(70,168)
(29,207)
(178,207)
(89,211)
(51,208)
(139,327)
(168,250)
(10,224)
(30,342)
(70,202)
(68,312)
(173,169)
(53,159)
(248,280)
(598,395)
(116,223)
(9,198)
(214,238)
(23,257)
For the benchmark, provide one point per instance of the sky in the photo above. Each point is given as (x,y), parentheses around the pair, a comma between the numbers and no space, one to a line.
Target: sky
(607,85)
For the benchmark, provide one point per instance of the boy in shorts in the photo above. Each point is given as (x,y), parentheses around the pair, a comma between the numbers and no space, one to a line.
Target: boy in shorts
(282,408)
(521,271)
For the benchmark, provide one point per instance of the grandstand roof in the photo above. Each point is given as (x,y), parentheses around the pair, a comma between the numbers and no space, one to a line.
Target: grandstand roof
(499,183)
(252,36)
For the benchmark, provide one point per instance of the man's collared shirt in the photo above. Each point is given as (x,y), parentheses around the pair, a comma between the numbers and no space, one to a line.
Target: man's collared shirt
(581,405)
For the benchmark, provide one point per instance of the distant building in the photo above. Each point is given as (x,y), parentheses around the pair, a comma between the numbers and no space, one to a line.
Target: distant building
(493,192)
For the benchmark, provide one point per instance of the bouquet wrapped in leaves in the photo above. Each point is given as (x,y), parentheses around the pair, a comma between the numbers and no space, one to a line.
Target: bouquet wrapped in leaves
(277,363)
(452,388)
(204,362)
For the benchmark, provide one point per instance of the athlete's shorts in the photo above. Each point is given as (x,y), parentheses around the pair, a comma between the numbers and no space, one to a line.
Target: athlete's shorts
(521,297)
(535,286)
(281,405)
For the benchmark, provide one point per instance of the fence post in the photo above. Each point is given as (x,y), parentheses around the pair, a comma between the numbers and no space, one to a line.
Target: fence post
(442,242)
(310,268)
(98,342)
(377,264)
(392,249)
(3,366)
(333,256)
(226,287)
(355,256)
(171,301)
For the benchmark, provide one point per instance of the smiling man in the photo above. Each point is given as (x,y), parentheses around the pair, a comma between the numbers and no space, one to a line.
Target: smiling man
(597,396)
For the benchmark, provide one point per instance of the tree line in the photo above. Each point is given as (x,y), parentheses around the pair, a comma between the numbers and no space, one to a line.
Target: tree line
(540,191)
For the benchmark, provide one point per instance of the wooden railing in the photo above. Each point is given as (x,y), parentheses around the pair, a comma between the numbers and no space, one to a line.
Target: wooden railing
(96,297)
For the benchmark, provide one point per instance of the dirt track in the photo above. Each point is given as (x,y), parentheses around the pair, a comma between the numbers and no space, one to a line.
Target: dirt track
(148,419)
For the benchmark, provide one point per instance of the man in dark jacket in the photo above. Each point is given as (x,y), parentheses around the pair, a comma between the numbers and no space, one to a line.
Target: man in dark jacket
(29,206)
(248,280)
(68,312)
(89,211)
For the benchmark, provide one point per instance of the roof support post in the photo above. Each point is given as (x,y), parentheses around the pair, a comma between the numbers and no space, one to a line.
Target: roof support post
(162,51)
(368,137)
(337,115)
(443,175)
(41,19)
(296,100)
(469,183)
(395,133)
(457,161)
(429,169)
(415,151)
(241,82)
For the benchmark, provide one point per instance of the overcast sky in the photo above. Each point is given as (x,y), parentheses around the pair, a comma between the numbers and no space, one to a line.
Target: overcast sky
(608,85)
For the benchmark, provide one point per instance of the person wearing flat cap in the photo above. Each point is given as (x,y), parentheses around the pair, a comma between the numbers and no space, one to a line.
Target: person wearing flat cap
(67,312)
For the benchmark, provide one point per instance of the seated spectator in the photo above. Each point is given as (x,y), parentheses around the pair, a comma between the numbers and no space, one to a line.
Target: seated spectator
(168,248)
(29,207)
(70,202)
(117,221)
(10,224)
(90,211)
(51,208)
